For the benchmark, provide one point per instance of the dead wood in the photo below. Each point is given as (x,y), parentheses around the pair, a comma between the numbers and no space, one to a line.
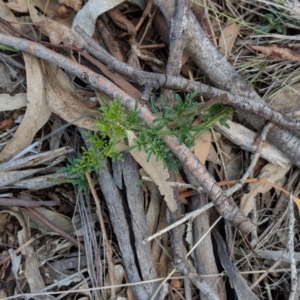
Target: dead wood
(134,195)
(240,285)
(122,230)
(181,264)
(204,254)
(224,76)
(225,206)
(244,103)
(135,213)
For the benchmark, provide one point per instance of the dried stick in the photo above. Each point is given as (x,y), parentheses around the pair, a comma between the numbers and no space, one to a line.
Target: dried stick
(177,43)
(181,264)
(26,203)
(146,12)
(134,196)
(259,147)
(159,80)
(238,282)
(204,256)
(178,28)
(290,245)
(224,76)
(187,216)
(156,80)
(226,207)
(106,243)
(118,219)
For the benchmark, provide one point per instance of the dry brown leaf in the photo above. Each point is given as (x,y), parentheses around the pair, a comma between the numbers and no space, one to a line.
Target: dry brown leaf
(20,6)
(68,108)
(202,145)
(213,156)
(155,170)
(53,216)
(37,112)
(58,33)
(32,272)
(121,21)
(273,175)
(75,4)
(7,15)
(288,100)
(6,124)
(228,37)
(60,95)
(8,102)
(51,11)
(291,53)
(51,247)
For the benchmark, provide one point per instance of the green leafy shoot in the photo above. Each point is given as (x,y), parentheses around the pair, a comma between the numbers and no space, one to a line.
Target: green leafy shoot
(7,48)
(110,130)
(115,121)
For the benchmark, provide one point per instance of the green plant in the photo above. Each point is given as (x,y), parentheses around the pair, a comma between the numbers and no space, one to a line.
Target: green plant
(112,127)
(275,23)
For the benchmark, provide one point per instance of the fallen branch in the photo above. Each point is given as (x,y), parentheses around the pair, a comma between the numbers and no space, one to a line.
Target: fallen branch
(222,74)
(156,80)
(226,207)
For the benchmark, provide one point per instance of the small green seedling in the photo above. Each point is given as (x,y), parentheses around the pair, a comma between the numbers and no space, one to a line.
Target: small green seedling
(112,127)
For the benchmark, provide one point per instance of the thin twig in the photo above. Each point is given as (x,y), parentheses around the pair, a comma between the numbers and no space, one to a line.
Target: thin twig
(188,216)
(290,246)
(250,180)
(146,12)
(262,276)
(173,183)
(206,233)
(259,147)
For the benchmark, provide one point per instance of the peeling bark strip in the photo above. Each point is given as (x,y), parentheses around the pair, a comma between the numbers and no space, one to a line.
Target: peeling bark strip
(118,217)
(225,207)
